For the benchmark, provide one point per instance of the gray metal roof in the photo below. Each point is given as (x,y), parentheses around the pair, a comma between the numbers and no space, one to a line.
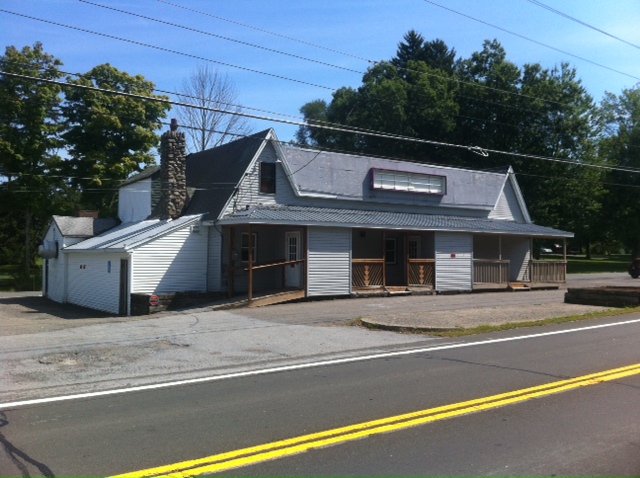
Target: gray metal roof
(71,226)
(130,235)
(314,216)
(347,176)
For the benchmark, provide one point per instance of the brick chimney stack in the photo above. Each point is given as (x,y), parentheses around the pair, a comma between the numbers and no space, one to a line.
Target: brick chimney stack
(173,172)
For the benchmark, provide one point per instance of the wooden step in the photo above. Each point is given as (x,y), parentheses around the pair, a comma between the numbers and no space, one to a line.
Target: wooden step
(397,290)
(516,286)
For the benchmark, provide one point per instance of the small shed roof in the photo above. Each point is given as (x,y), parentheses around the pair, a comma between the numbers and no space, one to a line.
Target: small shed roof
(146,173)
(71,226)
(130,235)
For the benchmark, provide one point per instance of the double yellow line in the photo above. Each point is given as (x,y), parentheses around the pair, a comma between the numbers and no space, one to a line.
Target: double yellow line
(301,444)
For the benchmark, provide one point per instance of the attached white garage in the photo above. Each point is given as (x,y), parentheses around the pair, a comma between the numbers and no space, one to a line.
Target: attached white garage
(149,257)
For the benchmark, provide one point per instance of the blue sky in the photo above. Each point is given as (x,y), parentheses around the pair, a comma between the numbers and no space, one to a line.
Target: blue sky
(349,32)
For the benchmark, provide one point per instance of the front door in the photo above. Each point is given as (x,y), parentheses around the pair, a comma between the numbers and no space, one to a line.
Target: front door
(123,308)
(394,259)
(292,252)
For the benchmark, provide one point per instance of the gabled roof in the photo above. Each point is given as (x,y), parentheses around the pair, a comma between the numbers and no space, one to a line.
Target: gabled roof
(130,235)
(215,173)
(328,217)
(71,226)
(348,177)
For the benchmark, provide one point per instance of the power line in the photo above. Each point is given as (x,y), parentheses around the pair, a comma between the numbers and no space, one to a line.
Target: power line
(221,37)
(333,126)
(452,79)
(531,39)
(167,50)
(244,25)
(562,14)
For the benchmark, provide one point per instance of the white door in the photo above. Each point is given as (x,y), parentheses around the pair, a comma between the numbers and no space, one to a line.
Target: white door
(292,252)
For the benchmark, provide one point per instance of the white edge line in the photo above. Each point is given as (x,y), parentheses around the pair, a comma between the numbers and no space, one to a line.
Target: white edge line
(286,368)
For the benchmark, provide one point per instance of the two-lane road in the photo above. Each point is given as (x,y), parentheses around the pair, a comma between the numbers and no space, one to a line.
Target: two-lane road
(592,428)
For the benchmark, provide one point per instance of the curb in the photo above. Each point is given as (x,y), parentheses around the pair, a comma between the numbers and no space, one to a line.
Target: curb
(374,324)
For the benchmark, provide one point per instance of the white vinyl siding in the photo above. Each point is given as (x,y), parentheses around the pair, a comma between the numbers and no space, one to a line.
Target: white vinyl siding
(92,283)
(507,207)
(134,201)
(454,261)
(329,261)
(175,262)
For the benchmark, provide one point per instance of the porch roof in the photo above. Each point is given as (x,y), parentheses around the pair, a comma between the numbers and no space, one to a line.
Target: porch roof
(317,216)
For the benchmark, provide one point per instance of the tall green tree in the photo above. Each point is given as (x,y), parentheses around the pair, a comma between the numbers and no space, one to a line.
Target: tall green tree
(620,147)
(484,101)
(108,135)
(29,140)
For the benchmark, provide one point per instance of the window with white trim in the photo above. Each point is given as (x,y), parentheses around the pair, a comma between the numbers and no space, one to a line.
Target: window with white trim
(409,182)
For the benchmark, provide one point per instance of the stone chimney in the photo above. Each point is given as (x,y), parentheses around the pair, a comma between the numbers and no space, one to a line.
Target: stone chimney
(173,172)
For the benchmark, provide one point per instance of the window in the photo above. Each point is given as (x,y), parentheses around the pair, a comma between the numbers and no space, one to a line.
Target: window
(390,250)
(268,178)
(409,182)
(244,247)
(414,247)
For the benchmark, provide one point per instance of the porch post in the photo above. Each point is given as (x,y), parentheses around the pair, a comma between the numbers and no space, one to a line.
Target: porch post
(406,257)
(500,259)
(305,264)
(231,266)
(250,292)
(384,259)
(531,259)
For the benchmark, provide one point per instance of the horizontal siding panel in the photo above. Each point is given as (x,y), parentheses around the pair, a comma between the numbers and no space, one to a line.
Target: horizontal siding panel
(92,283)
(329,266)
(454,260)
(172,263)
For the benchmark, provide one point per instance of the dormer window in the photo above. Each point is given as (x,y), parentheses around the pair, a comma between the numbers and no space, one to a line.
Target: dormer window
(409,182)
(268,178)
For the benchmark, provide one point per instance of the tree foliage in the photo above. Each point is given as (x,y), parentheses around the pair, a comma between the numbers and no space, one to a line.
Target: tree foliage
(65,148)
(620,145)
(109,136)
(29,142)
(481,102)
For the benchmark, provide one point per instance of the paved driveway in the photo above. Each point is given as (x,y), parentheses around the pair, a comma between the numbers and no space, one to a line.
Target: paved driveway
(27,312)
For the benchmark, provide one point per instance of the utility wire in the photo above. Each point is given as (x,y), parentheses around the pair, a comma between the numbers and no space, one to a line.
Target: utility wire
(531,39)
(562,14)
(221,37)
(330,126)
(244,25)
(167,50)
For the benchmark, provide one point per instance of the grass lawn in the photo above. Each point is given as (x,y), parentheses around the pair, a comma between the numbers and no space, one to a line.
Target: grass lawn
(581,265)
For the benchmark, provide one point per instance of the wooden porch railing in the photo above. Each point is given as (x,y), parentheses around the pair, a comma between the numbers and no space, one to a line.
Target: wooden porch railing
(548,271)
(367,273)
(487,271)
(421,272)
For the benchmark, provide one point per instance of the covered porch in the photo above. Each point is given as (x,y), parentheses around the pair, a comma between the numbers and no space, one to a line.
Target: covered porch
(265,264)
(406,260)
